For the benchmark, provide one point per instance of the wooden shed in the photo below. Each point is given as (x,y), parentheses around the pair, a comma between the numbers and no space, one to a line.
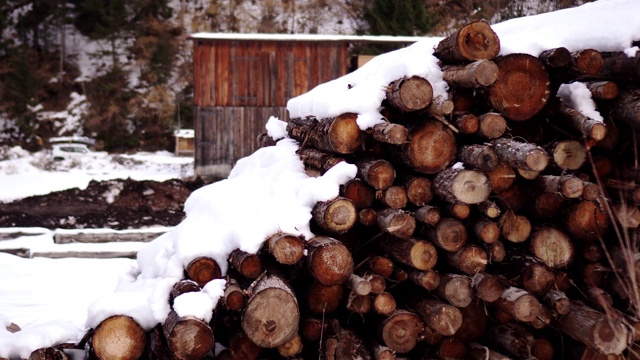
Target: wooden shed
(241,80)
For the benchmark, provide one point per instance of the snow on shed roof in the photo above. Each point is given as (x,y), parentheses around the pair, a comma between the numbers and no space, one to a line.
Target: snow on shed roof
(305,37)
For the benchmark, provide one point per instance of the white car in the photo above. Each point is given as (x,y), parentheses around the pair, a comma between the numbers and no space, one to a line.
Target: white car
(69,151)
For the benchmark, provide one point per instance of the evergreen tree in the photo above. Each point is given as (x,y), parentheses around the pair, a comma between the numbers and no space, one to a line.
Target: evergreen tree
(391,17)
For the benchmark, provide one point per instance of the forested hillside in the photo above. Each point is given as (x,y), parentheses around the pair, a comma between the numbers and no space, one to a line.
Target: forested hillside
(120,70)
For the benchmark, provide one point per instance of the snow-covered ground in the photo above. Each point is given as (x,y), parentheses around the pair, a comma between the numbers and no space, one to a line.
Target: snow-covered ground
(273,182)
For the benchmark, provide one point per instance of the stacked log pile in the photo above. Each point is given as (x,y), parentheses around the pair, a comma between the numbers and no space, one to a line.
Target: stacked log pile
(497,224)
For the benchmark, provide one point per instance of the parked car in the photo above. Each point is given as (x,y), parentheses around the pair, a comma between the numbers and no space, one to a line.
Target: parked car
(69,151)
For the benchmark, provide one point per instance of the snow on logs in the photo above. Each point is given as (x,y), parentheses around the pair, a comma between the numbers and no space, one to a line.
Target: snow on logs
(473,223)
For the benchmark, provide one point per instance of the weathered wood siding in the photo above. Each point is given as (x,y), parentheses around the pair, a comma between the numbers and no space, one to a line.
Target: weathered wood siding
(226,134)
(239,84)
(262,73)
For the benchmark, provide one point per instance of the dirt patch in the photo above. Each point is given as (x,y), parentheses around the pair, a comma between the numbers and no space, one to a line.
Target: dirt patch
(116,204)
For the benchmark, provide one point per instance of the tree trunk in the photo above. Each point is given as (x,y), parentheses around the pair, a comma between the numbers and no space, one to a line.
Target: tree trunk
(476,74)
(271,315)
(521,155)
(449,234)
(329,260)
(401,330)
(604,90)
(317,159)
(518,303)
(469,260)
(492,125)
(474,41)
(389,133)
(430,148)
(118,337)
(287,249)
(247,265)
(445,319)
(455,289)
(594,329)
(567,154)
(335,216)
(188,337)
(202,270)
(552,246)
(478,157)
(590,128)
(522,88)
(556,57)
(410,94)
(396,222)
(340,134)
(419,254)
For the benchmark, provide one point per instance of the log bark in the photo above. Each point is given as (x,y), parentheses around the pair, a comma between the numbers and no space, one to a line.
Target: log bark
(419,254)
(317,159)
(234,297)
(451,348)
(335,216)
(378,173)
(455,289)
(449,234)
(429,279)
(378,283)
(489,208)
(552,246)
(381,352)
(488,288)
(367,217)
(518,303)
(396,222)
(627,107)
(181,287)
(469,260)
(202,270)
(312,329)
(464,185)
(430,148)
(480,352)
(358,284)
(380,265)
(287,249)
(485,230)
(188,337)
(474,41)
(443,318)
(410,94)
(521,155)
(271,315)
(556,57)
(492,125)
(440,107)
(429,215)
(458,210)
(587,62)
(358,304)
(512,339)
(401,331)
(589,128)
(522,88)
(329,261)
(545,206)
(118,337)
(345,345)
(50,353)
(389,133)
(247,265)
(340,134)
(619,66)
(594,329)
(604,90)
(478,157)
(476,74)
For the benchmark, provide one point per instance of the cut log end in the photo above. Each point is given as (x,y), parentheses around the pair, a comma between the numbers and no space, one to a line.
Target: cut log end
(202,270)
(401,331)
(330,261)
(118,337)
(286,248)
